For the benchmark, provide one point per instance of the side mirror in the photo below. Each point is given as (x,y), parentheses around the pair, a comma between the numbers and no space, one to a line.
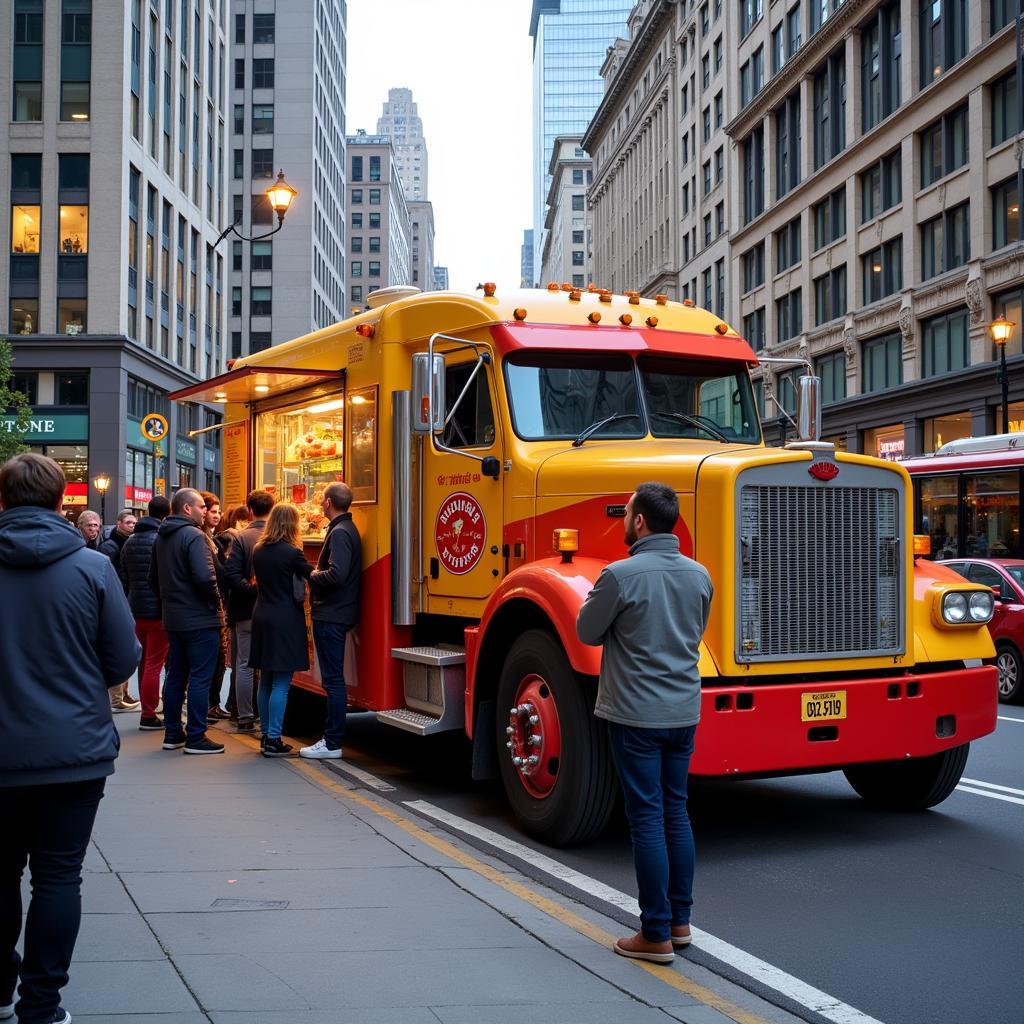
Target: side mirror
(491,467)
(427,387)
(809,421)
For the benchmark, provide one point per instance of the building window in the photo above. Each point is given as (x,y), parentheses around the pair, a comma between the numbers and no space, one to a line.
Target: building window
(946,343)
(74,101)
(1002,13)
(71,316)
(752,76)
(262,213)
(821,10)
(706,176)
(881,56)
(577,258)
(357,268)
(577,176)
(789,316)
(830,296)
(752,264)
(577,202)
(236,301)
(238,118)
(72,389)
(707,229)
(719,165)
(374,221)
(375,201)
(263,28)
(719,219)
(355,220)
(945,241)
(263,119)
(706,122)
(719,115)
(24,229)
(753,329)
(787,246)
(752,149)
(374,268)
(787,145)
(259,340)
(705,70)
(74,230)
(882,361)
(263,73)
(261,302)
(1005,214)
(28,101)
(357,243)
(881,186)
(262,163)
(832,371)
(356,196)
(882,270)
(26,171)
(944,146)
(750,14)
(830,109)
(236,255)
(1004,108)
(374,239)
(24,320)
(239,28)
(577,238)
(356,293)
(238,164)
(374,168)
(943,26)
(262,255)
(829,218)
(239,72)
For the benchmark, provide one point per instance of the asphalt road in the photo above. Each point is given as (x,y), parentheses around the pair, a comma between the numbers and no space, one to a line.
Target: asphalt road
(909,918)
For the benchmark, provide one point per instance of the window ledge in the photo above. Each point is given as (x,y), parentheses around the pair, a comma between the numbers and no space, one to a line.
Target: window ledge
(944,180)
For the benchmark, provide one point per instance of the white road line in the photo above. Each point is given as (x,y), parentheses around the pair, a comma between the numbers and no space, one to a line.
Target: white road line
(357,773)
(800,992)
(1007,718)
(992,785)
(991,796)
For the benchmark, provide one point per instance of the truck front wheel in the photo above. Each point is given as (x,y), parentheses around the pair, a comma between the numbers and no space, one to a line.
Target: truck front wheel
(553,752)
(911,785)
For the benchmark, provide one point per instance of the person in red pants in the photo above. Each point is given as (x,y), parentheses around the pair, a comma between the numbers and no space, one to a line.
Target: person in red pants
(134,565)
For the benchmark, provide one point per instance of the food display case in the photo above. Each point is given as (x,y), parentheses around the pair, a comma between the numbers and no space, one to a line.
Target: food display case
(300,449)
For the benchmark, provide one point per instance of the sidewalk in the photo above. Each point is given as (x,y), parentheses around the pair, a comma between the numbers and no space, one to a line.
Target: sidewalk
(240,889)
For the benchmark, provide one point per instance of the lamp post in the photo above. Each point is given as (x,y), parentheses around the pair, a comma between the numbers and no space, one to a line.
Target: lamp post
(1001,330)
(280,196)
(101,483)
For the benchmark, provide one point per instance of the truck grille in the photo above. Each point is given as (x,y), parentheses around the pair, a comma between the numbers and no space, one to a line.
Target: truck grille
(820,572)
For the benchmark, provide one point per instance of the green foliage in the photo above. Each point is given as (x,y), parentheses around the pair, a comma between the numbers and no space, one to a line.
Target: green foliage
(14,408)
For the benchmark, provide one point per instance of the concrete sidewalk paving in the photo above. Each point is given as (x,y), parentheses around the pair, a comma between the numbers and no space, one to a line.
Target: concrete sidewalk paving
(242,889)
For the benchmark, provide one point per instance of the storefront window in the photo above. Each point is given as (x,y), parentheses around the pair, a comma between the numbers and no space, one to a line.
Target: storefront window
(992,515)
(362,444)
(939,513)
(74,230)
(25,229)
(24,316)
(74,460)
(885,442)
(1016,417)
(299,450)
(940,429)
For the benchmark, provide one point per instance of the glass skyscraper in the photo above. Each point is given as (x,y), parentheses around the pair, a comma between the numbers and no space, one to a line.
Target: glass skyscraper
(570,42)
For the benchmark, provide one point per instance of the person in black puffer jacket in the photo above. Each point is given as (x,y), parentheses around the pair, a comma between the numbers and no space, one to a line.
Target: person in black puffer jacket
(134,566)
(66,635)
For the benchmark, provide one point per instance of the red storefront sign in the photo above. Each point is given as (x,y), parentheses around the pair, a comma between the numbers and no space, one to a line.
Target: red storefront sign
(138,495)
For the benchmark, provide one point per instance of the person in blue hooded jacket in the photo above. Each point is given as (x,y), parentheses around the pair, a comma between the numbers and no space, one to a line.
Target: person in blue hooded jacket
(66,635)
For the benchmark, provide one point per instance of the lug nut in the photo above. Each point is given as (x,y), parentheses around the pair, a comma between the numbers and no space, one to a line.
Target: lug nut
(517,761)
(534,740)
(509,730)
(534,719)
(533,759)
(508,745)
(513,711)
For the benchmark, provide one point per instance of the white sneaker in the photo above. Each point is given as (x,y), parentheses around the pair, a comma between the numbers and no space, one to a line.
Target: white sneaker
(322,751)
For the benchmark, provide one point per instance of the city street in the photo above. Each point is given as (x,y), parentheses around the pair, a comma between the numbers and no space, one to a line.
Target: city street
(908,919)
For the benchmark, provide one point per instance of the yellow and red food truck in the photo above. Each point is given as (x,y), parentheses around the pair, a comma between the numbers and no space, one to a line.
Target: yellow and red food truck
(491,443)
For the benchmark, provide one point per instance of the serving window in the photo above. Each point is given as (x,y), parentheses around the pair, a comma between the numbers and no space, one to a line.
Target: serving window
(362,444)
(300,449)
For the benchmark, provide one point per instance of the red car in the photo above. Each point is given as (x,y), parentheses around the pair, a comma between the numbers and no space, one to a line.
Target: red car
(1006,577)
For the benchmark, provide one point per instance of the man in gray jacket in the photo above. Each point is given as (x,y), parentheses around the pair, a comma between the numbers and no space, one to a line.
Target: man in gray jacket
(649,611)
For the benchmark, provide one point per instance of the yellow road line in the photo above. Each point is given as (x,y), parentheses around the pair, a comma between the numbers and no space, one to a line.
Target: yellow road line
(535,899)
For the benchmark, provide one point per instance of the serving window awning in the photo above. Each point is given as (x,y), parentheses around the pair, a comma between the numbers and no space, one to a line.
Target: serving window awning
(254,383)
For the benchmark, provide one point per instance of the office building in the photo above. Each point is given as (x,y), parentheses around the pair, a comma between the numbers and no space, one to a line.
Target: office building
(287,96)
(113,293)
(526,276)
(441,279)
(421,255)
(380,227)
(401,122)
(566,225)
(570,39)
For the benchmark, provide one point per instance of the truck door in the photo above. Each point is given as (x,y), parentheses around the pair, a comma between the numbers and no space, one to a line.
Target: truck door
(462,505)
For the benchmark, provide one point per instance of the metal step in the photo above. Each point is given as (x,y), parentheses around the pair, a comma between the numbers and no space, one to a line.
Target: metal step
(413,721)
(431,655)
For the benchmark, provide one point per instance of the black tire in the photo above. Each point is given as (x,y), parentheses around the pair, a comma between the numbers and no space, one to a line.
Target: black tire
(581,802)
(912,785)
(1011,674)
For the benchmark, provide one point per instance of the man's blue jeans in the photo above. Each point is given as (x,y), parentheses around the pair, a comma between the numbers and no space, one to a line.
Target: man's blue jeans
(191,659)
(329,638)
(272,697)
(653,765)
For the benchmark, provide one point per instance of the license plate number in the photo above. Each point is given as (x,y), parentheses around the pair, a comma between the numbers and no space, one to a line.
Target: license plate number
(823,707)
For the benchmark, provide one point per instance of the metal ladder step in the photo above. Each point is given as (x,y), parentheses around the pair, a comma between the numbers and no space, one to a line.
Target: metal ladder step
(412,721)
(431,654)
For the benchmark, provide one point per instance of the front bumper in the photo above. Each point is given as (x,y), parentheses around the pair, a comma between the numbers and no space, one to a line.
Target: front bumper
(757,729)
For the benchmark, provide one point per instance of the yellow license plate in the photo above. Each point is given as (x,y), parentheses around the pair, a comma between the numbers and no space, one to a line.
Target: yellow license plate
(823,707)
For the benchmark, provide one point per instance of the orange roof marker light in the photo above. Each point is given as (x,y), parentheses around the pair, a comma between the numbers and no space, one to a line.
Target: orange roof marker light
(625,319)
(519,314)
(722,328)
(566,287)
(922,544)
(553,286)
(594,318)
(575,295)
(592,287)
(687,302)
(634,298)
(661,300)
(604,295)
(364,330)
(652,321)
(489,289)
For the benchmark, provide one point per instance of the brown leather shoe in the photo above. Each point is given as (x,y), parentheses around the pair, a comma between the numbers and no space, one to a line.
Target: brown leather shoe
(636,947)
(681,935)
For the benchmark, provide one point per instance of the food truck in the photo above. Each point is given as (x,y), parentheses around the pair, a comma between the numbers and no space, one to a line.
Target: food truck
(492,441)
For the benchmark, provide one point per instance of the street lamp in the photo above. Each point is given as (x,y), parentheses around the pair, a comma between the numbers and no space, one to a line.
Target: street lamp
(1001,330)
(101,483)
(280,196)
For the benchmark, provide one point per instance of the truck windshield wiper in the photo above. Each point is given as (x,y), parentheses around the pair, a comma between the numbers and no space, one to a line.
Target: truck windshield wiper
(694,421)
(594,427)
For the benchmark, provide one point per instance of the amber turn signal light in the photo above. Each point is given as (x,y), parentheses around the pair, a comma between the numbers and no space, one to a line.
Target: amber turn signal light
(575,295)
(721,328)
(365,330)
(661,300)
(489,289)
(519,314)
(566,543)
(594,318)
(625,319)
(554,286)
(652,321)
(922,544)
(687,302)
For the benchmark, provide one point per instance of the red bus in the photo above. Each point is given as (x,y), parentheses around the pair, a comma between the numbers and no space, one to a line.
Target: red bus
(967,497)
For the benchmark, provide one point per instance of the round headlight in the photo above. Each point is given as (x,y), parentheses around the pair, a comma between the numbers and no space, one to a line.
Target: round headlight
(954,607)
(981,607)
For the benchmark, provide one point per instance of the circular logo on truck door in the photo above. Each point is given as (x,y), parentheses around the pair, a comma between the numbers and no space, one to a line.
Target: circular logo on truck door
(460,532)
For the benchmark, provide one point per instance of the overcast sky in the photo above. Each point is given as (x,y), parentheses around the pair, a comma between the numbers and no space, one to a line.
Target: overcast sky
(468,65)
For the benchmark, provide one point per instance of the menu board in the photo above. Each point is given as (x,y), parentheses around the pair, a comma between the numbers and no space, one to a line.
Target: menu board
(235,463)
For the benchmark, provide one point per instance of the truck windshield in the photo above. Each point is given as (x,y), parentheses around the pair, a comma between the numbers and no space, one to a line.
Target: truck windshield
(558,395)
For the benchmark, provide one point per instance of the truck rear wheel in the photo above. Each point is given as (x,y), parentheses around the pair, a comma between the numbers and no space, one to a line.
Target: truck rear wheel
(552,751)
(911,785)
